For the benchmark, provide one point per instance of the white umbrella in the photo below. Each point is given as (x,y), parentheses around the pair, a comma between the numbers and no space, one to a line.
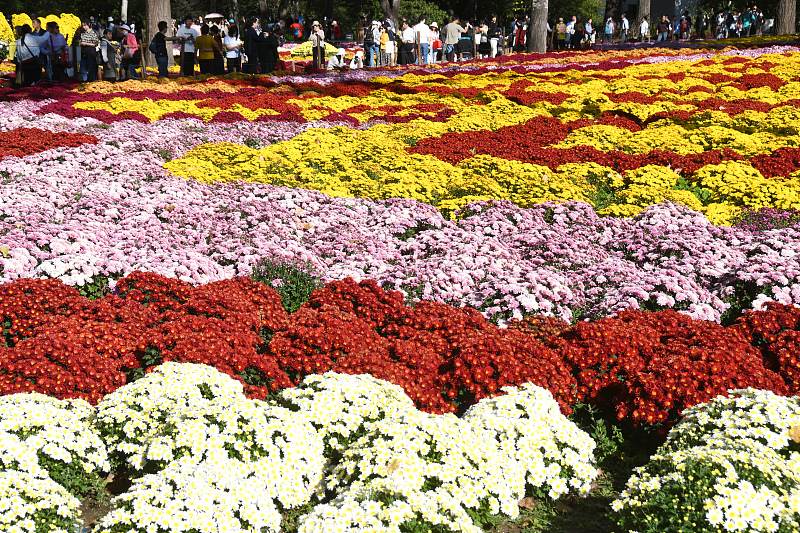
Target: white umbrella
(214,16)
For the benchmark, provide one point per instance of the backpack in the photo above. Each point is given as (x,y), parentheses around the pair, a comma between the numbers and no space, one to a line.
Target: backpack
(369,38)
(561,29)
(152,46)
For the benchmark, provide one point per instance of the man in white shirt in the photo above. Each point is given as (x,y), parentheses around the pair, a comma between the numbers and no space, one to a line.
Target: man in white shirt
(189,33)
(626,28)
(407,47)
(423,33)
(644,30)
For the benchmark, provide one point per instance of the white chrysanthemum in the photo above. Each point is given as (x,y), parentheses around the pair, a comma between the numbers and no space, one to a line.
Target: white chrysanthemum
(204,499)
(528,425)
(60,430)
(745,414)
(749,487)
(31,503)
(129,416)
(340,404)
(250,436)
(386,505)
(427,452)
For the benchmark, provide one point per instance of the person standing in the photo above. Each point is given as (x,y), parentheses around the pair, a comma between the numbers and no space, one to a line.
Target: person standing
(205,46)
(493,33)
(423,34)
(130,54)
(318,45)
(218,68)
(271,56)
(53,46)
(590,33)
(108,55)
(29,71)
(663,29)
(88,42)
(644,30)
(188,33)
(251,46)
(160,45)
(625,29)
(383,56)
(452,34)
(233,49)
(436,41)
(609,34)
(110,26)
(407,38)
(570,32)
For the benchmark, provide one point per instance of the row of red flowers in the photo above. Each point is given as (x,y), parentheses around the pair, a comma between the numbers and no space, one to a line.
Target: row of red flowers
(24,141)
(646,366)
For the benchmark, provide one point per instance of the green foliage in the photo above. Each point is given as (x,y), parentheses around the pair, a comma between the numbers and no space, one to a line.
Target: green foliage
(704,195)
(583,8)
(95,289)
(73,477)
(293,280)
(413,9)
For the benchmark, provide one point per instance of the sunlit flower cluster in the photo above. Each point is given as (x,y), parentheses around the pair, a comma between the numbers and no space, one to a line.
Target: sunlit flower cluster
(425,452)
(339,405)
(204,498)
(129,417)
(45,436)
(36,504)
(530,429)
(250,437)
(732,465)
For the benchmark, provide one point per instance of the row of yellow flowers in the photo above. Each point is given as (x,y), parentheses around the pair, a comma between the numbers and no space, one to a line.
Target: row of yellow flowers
(343,162)
(68,24)
(379,163)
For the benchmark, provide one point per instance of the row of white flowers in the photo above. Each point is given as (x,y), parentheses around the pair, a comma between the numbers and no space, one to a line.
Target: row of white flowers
(203,457)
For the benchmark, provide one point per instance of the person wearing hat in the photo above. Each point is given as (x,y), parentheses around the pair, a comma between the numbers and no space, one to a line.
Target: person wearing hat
(435,42)
(129,49)
(188,33)
(318,45)
(337,61)
(561,34)
(111,25)
(358,61)
(372,43)
(337,31)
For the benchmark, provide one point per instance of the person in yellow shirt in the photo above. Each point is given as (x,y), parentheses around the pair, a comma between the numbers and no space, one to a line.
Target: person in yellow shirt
(206,45)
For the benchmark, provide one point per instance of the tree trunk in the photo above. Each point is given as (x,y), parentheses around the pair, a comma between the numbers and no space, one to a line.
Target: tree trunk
(391,8)
(235,14)
(264,7)
(155,11)
(123,11)
(644,11)
(537,28)
(786,13)
(613,8)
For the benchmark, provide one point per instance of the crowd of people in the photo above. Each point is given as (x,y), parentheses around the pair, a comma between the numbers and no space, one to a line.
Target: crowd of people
(722,24)
(110,49)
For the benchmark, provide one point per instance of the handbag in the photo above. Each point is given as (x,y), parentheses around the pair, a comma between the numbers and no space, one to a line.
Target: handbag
(128,53)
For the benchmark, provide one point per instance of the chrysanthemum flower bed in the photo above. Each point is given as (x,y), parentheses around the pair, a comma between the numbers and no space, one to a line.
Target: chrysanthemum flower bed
(502,246)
